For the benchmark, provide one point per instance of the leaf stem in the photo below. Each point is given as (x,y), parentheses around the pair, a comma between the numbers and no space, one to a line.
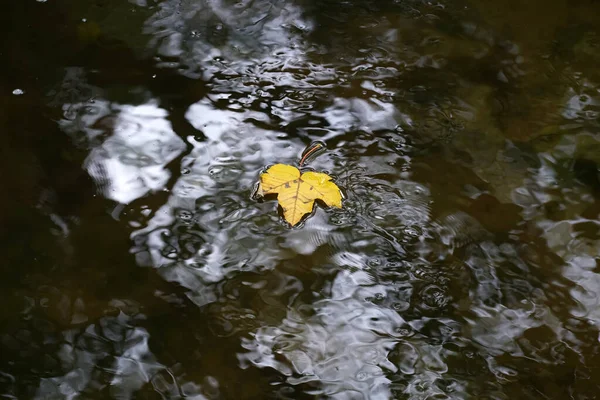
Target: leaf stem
(309,152)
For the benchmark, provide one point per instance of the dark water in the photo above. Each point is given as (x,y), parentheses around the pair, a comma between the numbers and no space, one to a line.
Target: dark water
(136,264)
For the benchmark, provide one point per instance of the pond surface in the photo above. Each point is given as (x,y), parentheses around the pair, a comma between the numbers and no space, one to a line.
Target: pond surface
(136,263)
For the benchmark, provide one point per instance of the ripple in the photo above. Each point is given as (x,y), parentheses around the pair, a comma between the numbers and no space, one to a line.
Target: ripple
(323,348)
(458,230)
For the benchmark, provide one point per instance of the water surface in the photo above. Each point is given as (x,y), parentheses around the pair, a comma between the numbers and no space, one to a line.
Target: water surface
(137,264)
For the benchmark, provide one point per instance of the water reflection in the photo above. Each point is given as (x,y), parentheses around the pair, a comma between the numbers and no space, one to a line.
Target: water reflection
(97,354)
(135,145)
(215,39)
(210,226)
(337,346)
(462,265)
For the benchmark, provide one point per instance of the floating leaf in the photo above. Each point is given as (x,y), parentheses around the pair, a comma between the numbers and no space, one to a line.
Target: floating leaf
(296,192)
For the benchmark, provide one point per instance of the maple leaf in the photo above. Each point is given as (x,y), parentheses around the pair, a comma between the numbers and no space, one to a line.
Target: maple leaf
(296,192)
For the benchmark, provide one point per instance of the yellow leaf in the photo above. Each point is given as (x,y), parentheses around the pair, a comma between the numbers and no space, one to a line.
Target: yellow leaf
(296,193)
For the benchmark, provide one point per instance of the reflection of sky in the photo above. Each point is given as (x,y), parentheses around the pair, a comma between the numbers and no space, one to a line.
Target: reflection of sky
(343,347)
(115,346)
(213,197)
(226,36)
(131,161)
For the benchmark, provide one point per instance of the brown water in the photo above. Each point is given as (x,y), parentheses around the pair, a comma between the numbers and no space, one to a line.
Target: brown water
(136,264)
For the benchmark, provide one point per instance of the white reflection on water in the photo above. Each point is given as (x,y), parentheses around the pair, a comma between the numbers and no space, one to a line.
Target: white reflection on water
(111,349)
(339,343)
(226,36)
(132,160)
(213,198)
(565,237)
